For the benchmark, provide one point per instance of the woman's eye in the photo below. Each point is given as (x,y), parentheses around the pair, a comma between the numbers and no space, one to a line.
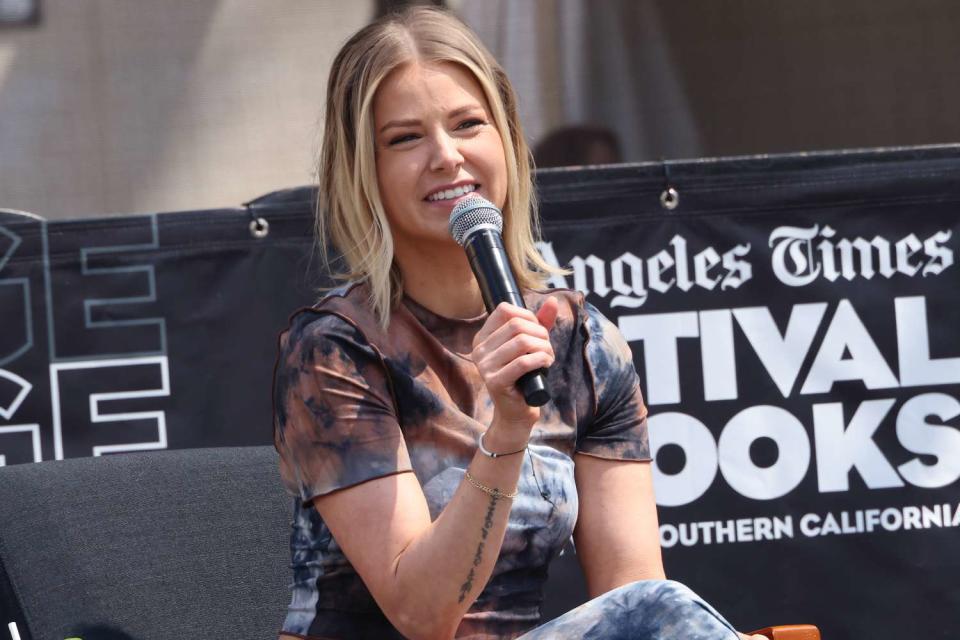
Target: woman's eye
(407,137)
(471,123)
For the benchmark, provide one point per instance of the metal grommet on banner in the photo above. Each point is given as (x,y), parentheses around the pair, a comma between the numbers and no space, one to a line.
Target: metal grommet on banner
(669,197)
(259,227)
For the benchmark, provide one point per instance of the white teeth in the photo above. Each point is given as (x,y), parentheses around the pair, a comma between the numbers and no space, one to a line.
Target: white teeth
(452,193)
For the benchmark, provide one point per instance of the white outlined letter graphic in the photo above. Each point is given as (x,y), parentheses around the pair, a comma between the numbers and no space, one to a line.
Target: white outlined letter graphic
(7,413)
(96,415)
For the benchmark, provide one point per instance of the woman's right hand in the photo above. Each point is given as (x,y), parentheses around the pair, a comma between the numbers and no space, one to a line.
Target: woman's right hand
(512,342)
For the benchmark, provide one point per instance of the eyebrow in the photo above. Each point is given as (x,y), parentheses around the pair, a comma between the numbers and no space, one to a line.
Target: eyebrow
(413,121)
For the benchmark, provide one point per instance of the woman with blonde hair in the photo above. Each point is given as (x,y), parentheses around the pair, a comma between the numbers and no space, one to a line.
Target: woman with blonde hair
(430,497)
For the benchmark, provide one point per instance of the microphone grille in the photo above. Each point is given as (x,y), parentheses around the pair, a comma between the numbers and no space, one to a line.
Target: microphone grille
(472,214)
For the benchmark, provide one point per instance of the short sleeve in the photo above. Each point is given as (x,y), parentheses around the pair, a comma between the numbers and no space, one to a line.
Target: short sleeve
(335,423)
(618,427)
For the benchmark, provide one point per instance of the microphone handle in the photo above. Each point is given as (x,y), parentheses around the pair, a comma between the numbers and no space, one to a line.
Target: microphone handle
(488,259)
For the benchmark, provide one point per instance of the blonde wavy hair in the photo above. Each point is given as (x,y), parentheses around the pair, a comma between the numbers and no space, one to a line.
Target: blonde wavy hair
(350,213)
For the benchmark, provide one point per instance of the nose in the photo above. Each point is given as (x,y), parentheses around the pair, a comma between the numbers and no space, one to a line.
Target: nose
(446,153)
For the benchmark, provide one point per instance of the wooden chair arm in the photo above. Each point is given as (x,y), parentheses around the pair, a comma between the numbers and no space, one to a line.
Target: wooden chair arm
(790,632)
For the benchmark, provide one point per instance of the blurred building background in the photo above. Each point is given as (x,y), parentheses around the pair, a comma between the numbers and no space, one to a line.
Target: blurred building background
(113,106)
(119,106)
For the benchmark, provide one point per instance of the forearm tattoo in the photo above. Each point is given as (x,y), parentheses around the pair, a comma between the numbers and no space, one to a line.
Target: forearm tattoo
(478,556)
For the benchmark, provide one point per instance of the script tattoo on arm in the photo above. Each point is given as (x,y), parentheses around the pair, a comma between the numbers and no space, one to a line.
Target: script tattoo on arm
(478,556)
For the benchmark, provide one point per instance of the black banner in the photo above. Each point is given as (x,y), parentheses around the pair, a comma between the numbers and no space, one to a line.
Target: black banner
(793,319)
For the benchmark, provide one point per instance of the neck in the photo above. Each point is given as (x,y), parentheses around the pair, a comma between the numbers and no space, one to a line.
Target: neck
(441,281)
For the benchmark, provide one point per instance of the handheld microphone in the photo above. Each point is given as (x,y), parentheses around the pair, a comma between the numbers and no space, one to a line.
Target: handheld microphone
(476,225)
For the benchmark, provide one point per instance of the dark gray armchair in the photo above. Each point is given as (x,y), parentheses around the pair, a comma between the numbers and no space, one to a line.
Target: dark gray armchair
(152,546)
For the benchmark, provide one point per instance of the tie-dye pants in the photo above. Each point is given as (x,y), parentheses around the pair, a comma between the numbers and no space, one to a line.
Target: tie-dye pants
(646,610)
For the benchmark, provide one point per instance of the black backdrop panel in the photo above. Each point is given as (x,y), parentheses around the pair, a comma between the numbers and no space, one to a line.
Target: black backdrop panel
(793,320)
(794,324)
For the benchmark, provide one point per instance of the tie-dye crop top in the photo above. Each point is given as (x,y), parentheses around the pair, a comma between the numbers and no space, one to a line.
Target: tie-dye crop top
(353,402)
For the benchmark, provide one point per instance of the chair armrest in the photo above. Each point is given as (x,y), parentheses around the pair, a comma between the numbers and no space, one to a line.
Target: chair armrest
(790,632)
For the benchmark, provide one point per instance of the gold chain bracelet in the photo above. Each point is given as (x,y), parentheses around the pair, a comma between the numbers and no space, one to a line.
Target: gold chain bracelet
(496,493)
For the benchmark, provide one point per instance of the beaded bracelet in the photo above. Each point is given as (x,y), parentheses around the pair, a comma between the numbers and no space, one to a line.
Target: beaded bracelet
(496,493)
(491,454)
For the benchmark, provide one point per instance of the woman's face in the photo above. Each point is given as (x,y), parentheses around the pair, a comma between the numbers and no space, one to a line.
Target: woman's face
(435,142)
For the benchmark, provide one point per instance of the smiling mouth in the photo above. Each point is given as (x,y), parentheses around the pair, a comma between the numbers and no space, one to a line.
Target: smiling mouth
(452,194)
